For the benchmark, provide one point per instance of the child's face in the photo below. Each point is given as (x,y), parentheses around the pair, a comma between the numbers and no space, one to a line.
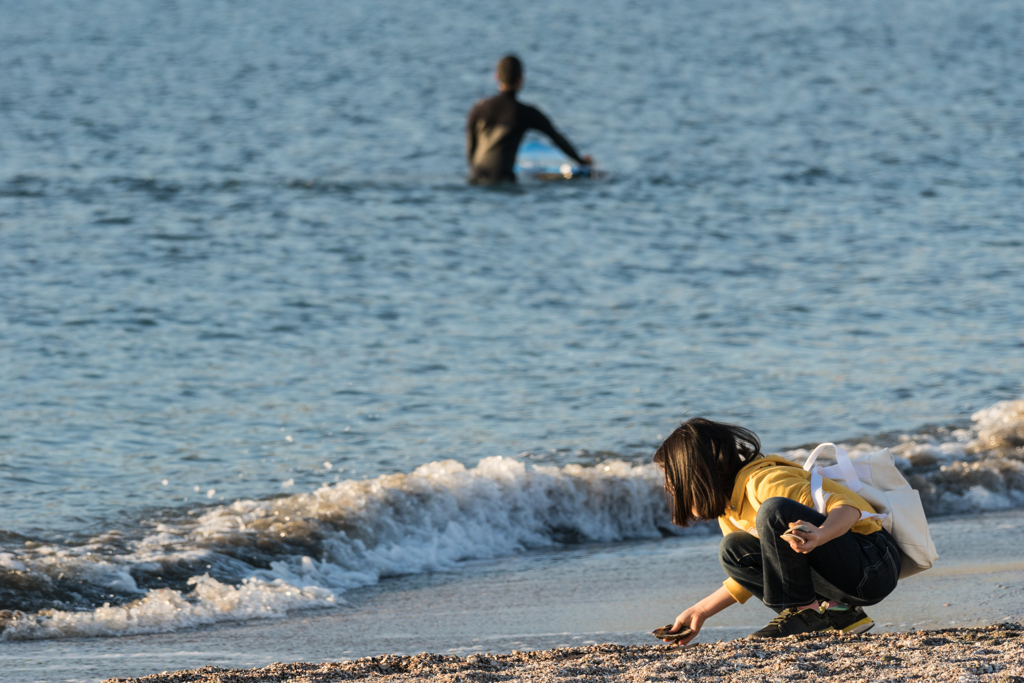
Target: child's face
(668,489)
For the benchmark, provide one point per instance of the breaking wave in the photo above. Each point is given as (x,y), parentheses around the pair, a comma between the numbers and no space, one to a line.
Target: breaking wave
(263,558)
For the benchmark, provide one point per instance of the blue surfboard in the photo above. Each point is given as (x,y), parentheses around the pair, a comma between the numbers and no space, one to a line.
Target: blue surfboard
(542,161)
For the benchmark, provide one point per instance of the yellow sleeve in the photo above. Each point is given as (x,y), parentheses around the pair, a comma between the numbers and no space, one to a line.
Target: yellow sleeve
(782,482)
(840,495)
(837,499)
(737,591)
(726,526)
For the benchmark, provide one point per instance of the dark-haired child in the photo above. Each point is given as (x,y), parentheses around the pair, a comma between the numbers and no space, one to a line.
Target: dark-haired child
(819,576)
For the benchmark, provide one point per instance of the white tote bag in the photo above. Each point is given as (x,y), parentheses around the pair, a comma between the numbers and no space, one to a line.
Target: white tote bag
(875,478)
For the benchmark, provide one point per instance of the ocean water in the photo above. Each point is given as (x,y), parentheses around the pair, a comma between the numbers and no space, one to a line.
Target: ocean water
(260,345)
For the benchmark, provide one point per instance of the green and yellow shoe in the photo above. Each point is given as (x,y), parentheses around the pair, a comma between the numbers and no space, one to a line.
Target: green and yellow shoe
(791,622)
(852,620)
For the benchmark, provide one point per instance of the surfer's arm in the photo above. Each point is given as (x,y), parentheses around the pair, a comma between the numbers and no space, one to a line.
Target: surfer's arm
(541,123)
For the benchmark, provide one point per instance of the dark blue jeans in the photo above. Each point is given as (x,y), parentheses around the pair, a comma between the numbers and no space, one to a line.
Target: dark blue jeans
(855,569)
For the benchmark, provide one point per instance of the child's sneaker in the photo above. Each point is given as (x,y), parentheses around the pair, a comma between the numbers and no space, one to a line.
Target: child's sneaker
(791,622)
(852,620)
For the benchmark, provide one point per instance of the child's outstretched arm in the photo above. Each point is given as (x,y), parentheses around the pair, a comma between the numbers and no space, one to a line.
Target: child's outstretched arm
(694,617)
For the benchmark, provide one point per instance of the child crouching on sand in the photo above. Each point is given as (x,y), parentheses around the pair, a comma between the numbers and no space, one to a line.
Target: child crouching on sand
(815,570)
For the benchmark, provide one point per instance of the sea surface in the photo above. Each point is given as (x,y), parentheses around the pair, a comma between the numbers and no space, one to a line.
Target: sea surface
(261,345)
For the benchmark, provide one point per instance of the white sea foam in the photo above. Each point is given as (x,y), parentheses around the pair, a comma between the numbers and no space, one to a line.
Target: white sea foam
(164,609)
(360,531)
(1000,427)
(262,558)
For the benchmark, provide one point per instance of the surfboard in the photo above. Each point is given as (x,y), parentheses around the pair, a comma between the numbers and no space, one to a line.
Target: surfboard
(542,161)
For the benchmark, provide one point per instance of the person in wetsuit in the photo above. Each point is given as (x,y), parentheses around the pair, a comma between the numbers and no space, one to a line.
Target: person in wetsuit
(496,127)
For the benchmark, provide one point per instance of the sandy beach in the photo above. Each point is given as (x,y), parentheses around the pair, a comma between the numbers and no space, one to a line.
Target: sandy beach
(995,653)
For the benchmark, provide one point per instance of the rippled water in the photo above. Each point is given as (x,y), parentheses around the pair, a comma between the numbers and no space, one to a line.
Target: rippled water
(239,258)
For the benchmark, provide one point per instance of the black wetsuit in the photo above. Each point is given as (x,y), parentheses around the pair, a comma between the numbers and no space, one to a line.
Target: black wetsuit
(493,133)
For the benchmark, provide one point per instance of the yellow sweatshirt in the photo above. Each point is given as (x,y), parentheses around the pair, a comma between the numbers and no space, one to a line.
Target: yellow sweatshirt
(770,477)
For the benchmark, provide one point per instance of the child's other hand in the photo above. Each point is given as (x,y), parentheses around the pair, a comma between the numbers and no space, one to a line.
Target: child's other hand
(691,618)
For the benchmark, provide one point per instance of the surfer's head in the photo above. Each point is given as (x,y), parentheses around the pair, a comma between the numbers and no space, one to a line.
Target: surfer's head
(509,73)
(700,460)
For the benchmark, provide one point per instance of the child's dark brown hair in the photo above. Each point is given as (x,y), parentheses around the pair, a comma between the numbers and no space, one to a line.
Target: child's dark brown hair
(701,459)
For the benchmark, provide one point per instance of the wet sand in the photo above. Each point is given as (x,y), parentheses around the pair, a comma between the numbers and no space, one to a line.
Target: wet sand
(995,653)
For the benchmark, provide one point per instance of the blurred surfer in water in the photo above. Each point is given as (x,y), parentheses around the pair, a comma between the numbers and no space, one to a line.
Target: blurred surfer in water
(496,127)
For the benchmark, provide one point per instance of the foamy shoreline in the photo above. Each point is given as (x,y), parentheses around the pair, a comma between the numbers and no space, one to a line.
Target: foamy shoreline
(994,653)
(262,558)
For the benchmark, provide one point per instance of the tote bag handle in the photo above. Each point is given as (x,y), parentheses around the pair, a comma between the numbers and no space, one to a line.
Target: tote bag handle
(849,473)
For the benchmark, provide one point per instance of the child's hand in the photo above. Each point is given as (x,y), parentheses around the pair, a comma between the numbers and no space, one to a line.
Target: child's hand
(693,619)
(803,537)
